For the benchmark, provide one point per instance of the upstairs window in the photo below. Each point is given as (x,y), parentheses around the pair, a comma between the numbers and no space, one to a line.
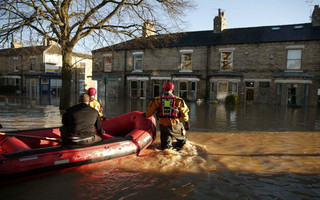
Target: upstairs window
(226,59)
(137,61)
(107,63)
(15,64)
(294,59)
(82,68)
(33,63)
(186,60)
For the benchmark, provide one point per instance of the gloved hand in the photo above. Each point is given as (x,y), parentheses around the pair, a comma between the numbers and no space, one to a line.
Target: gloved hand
(186,126)
(103,118)
(144,114)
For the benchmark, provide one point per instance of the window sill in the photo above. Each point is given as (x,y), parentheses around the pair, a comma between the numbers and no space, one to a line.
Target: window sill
(293,70)
(185,70)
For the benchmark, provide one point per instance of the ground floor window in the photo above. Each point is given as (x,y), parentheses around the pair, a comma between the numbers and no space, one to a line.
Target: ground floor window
(233,88)
(55,85)
(193,90)
(156,88)
(183,89)
(133,88)
(112,88)
(212,91)
(32,87)
(138,89)
(142,89)
(222,90)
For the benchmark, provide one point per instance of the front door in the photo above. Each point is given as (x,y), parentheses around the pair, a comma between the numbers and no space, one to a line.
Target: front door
(249,96)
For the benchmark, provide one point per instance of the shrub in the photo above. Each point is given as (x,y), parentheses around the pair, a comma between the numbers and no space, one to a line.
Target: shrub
(231,99)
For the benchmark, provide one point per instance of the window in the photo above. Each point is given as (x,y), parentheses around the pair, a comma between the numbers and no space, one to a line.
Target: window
(212,87)
(142,89)
(17,83)
(183,89)
(107,63)
(186,60)
(15,64)
(249,84)
(233,88)
(193,90)
(82,68)
(226,59)
(294,59)
(137,61)
(133,88)
(33,63)
(222,87)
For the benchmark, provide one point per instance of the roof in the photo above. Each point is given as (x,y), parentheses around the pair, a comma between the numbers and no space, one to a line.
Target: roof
(36,50)
(263,34)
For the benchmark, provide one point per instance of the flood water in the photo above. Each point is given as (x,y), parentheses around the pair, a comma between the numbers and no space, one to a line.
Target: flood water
(244,152)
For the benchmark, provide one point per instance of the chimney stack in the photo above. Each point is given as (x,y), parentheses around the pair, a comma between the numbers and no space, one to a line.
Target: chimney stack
(148,29)
(15,44)
(316,16)
(219,22)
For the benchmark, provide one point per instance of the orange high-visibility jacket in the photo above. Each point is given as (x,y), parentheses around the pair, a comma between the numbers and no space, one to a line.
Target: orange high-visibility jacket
(169,121)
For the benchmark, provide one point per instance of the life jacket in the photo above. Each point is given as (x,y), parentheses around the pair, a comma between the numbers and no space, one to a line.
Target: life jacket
(168,107)
(96,105)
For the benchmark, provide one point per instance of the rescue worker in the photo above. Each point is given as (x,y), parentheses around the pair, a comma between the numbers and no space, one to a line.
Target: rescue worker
(80,123)
(170,109)
(94,103)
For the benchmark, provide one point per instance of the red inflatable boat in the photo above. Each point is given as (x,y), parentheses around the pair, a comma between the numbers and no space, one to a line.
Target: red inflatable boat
(29,152)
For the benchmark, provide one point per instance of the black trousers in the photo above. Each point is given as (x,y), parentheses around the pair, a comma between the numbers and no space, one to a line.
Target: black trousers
(167,133)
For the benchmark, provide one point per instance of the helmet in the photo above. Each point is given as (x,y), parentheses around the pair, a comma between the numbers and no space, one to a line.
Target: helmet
(92,92)
(168,86)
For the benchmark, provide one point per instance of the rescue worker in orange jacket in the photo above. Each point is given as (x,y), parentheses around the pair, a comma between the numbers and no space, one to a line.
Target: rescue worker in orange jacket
(170,109)
(94,103)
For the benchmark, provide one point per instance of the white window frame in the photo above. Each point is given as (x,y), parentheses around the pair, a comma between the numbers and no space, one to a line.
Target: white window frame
(137,58)
(82,66)
(294,57)
(33,63)
(15,64)
(134,89)
(236,88)
(183,91)
(186,65)
(107,63)
(143,89)
(224,61)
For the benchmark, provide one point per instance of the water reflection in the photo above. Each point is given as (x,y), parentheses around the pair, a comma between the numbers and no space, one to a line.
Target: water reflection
(243,152)
(203,117)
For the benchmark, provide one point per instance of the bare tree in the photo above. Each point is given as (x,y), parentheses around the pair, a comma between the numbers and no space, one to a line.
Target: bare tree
(69,21)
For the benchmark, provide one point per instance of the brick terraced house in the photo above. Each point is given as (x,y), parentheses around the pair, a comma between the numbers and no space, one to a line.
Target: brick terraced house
(268,64)
(36,70)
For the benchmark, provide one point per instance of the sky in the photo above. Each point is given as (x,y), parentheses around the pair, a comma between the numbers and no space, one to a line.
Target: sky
(249,13)
(241,14)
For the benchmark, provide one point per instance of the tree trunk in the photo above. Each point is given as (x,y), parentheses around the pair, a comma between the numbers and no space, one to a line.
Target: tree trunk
(66,78)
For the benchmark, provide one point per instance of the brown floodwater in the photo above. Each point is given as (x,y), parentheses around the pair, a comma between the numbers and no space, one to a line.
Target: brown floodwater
(245,152)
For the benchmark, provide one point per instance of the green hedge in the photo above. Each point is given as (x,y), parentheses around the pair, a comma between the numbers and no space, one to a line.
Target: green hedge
(231,99)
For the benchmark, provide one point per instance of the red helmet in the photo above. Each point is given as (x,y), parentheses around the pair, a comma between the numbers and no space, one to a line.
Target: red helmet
(92,92)
(168,86)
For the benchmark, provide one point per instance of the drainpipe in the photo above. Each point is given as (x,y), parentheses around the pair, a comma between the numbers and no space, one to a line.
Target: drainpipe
(207,74)
(125,74)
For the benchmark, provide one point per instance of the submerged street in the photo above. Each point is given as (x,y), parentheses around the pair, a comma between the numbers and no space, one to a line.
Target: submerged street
(246,152)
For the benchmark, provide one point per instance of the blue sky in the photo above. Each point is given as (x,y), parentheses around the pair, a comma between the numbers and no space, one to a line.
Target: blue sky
(249,13)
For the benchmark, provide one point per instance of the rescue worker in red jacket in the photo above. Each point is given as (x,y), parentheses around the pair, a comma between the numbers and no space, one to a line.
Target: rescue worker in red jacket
(170,109)
(94,103)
